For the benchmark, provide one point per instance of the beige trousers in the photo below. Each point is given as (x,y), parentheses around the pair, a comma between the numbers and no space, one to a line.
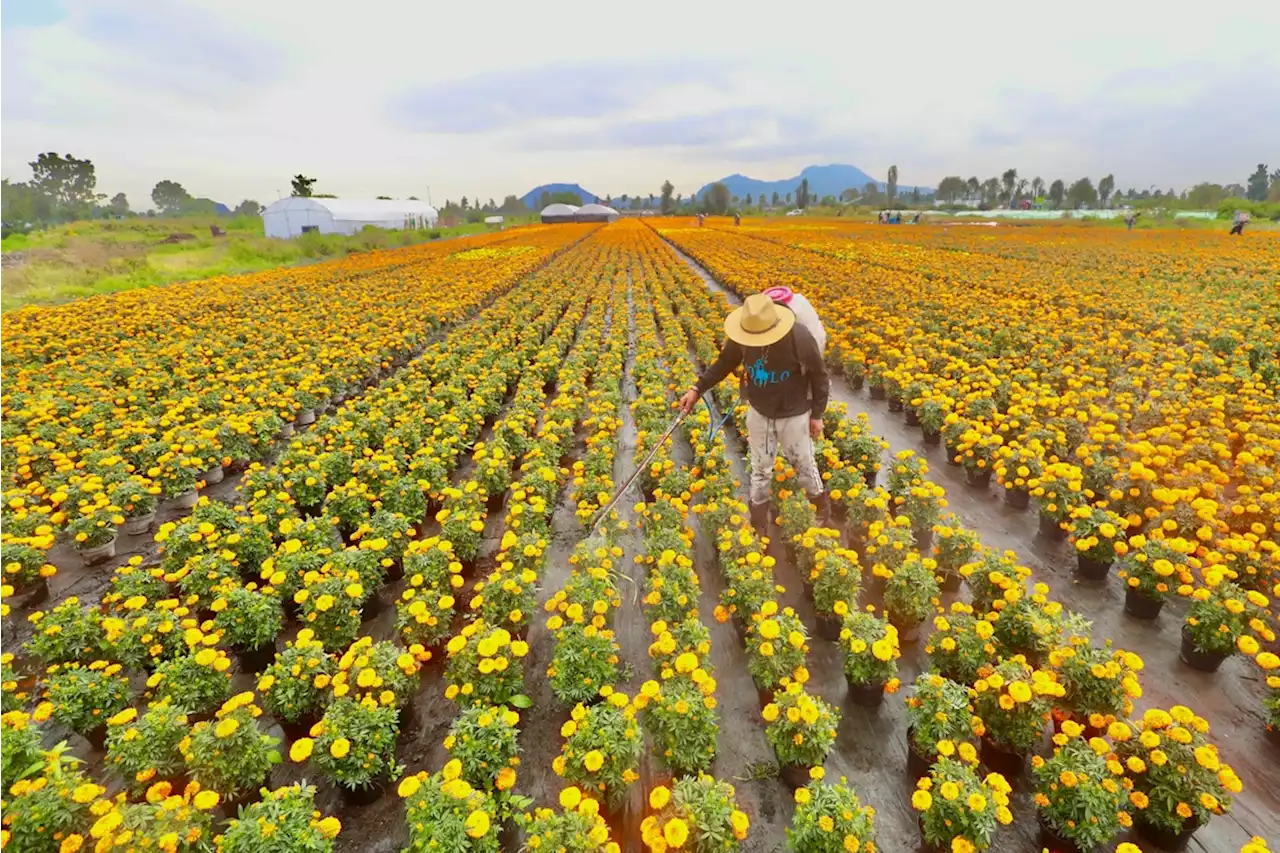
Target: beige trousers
(787,436)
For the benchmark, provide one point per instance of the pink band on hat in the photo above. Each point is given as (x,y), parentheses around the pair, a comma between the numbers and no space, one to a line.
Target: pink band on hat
(779,294)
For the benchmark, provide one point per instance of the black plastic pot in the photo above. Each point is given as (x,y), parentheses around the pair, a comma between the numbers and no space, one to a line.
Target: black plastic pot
(765,695)
(1007,763)
(1017,498)
(870,477)
(395,571)
(373,605)
(950,582)
(912,416)
(896,404)
(1139,605)
(828,626)
(866,695)
(924,540)
(1052,842)
(362,795)
(300,729)
(855,377)
(1196,659)
(980,479)
(1092,570)
(908,632)
(876,392)
(917,765)
(97,737)
(1163,839)
(952,453)
(256,660)
(794,775)
(1049,529)
(933,439)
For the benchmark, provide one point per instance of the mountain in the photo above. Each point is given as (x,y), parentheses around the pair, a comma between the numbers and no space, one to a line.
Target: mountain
(823,180)
(530,198)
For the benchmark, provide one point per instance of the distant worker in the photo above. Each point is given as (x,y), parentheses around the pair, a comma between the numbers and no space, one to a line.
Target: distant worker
(737,218)
(1242,219)
(786,386)
(915,220)
(1130,218)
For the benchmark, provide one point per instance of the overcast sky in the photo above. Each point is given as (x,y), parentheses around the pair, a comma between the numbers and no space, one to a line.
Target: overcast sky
(487,97)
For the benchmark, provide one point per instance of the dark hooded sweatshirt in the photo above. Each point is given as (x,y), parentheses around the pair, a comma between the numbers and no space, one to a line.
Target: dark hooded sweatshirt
(782,380)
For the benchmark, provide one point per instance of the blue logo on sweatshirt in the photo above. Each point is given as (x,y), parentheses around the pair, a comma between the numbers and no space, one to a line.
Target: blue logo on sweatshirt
(760,376)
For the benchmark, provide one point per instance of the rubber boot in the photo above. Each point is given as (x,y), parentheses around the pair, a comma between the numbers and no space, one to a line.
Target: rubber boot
(822,508)
(760,518)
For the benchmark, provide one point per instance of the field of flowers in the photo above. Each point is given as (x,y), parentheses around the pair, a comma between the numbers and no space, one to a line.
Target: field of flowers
(313,559)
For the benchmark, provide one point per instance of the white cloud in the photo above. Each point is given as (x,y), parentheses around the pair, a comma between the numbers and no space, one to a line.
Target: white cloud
(231,97)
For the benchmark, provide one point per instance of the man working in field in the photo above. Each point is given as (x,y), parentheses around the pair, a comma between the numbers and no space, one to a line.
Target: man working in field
(786,387)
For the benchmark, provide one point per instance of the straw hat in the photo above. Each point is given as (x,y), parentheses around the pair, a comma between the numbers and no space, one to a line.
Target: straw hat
(759,321)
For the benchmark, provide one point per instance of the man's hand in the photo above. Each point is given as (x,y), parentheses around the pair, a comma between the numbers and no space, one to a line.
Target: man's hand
(689,400)
(815,428)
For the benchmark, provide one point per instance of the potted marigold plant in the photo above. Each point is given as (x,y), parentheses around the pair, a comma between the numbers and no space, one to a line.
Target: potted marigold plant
(831,819)
(922,506)
(444,812)
(94,533)
(954,547)
(1080,793)
(976,452)
(294,689)
(285,819)
(1220,621)
(484,665)
(801,729)
(137,500)
(697,813)
(230,754)
(682,722)
(1151,570)
(940,721)
(68,632)
(382,671)
(424,614)
(1056,492)
(1100,684)
(601,752)
(1269,662)
(911,595)
(483,738)
(889,544)
(1098,537)
(1016,465)
(961,644)
(835,578)
(871,653)
(958,810)
(197,681)
(585,659)
(776,647)
(1013,700)
(54,799)
(141,750)
(1179,781)
(84,697)
(354,747)
(576,828)
(329,605)
(249,619)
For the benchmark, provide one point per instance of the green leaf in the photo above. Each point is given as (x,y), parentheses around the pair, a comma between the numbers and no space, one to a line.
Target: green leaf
(274,757)
(521,701)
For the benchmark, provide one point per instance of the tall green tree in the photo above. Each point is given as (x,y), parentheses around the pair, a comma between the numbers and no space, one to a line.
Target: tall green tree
(1057,192)
(302,185)
(119,205)
(248,207)
(802,194)
(668,192)
(1258,184)
(1082,192)
(776,200)
(991,192)
(24,205)
(973,188)
(891,186)
(68,182)
(1008,180)
(170,197)
(1037,186)
(951,188)
(717,198)
(1106,186)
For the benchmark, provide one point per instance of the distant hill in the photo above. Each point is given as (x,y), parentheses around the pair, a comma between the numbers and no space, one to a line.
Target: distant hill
(530,198)
(823,180)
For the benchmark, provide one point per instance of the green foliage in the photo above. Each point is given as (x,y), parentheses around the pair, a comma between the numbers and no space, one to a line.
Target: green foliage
(230,754)
(141,750)
(83,697)
(285,821)
(830,820)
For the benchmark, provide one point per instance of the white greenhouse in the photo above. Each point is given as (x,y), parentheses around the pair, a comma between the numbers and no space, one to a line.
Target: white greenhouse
(292,216)
(559,213)
(596,213)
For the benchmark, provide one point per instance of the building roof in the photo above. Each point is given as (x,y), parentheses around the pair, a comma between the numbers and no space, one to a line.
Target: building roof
(355,208)
(596,210)
(559,210)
